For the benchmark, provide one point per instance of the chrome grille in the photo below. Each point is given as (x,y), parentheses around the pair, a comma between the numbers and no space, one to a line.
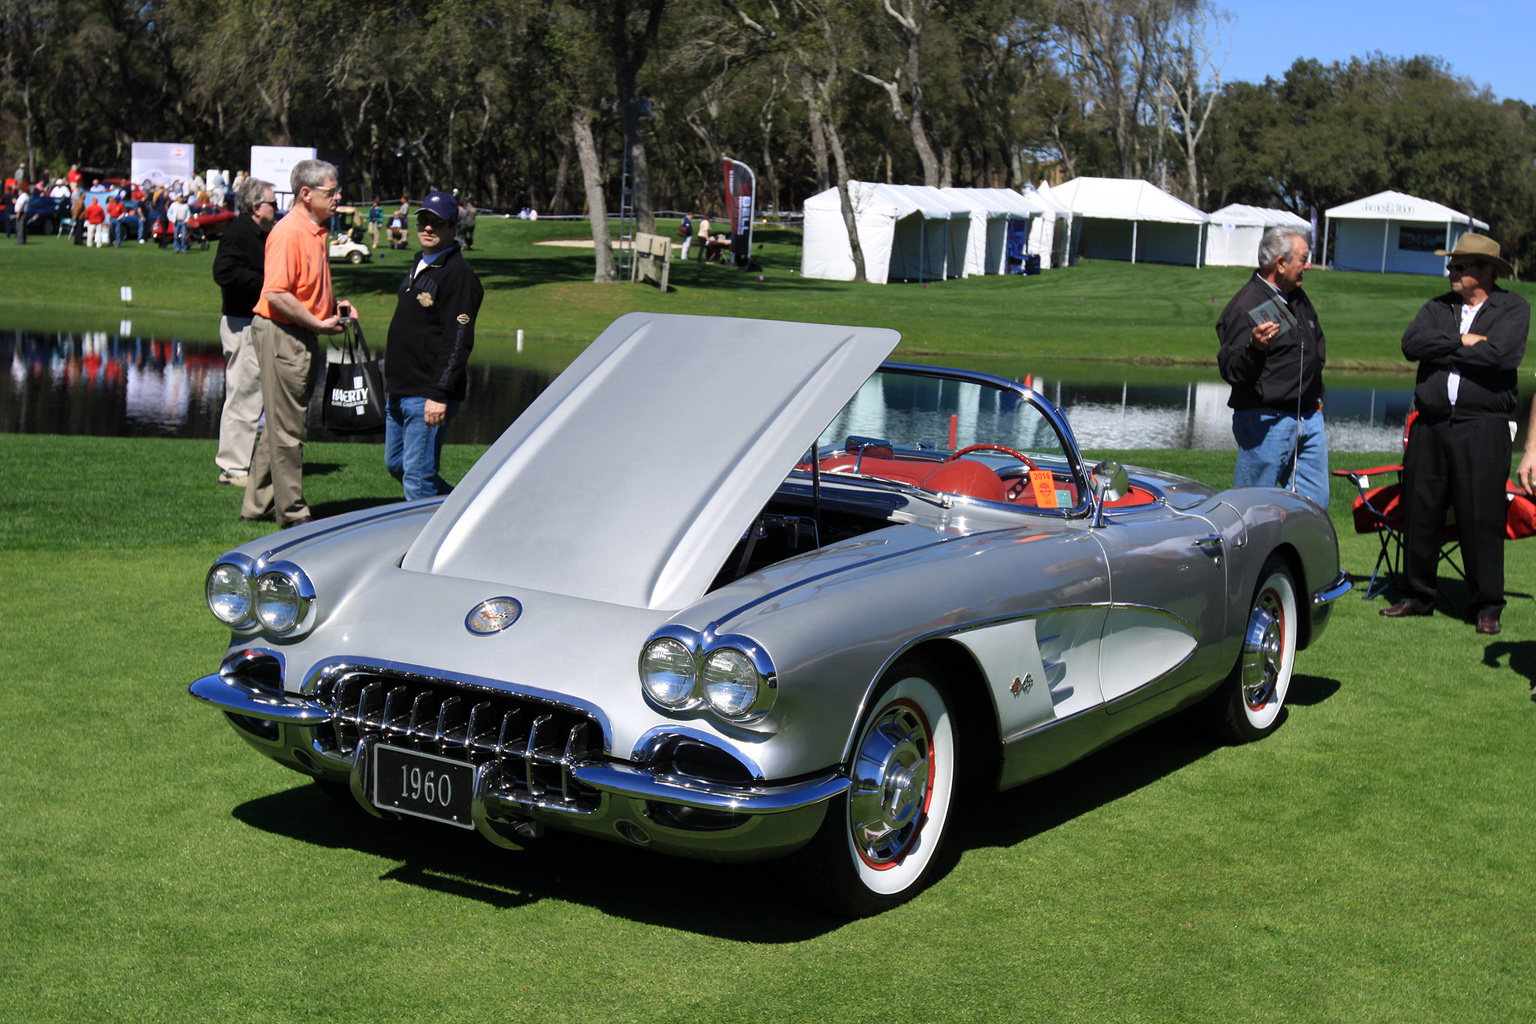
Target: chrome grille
(531,745)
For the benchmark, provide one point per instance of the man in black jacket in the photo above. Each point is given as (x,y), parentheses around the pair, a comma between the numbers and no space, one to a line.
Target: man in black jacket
(1272,353)
(1468,344)
(430,339)
(238,269)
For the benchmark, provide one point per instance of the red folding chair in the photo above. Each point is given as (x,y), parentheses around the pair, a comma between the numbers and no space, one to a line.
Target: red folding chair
(1379,510)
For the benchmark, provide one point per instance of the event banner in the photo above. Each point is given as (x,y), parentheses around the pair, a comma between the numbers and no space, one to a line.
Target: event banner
(275,164)
(160,162)
(740,184)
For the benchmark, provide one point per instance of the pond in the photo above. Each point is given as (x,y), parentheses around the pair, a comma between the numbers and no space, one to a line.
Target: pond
(127,385)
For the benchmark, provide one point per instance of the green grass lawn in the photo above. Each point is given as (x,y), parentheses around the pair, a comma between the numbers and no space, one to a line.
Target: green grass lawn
(1098,311)
(1369,862)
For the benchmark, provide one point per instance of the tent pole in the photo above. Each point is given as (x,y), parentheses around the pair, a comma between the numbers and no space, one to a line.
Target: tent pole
(1326,224)
(1133,242)
(1386,229)
(922,245)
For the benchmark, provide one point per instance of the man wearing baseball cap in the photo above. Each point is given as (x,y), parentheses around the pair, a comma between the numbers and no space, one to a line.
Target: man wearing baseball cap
(427,356)
(1468,344)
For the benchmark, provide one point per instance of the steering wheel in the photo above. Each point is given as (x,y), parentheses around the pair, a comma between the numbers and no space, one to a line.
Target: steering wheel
(994,448)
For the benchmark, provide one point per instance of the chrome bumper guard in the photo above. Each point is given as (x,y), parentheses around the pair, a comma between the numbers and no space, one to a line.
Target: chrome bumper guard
(1335,590)
(233,694)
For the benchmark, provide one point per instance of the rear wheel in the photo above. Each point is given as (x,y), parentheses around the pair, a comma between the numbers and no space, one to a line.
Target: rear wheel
(1249,704)
(354,257)
(880,842)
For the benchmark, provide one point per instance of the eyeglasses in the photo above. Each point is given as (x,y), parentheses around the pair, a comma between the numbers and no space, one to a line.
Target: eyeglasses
(1462,268)
(329,190)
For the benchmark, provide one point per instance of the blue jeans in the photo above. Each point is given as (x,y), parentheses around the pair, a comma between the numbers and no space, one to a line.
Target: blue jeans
(1274,449)
(412,450)
(181,236)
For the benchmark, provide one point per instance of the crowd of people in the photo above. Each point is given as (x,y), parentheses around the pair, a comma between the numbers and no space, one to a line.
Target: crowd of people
(107,213)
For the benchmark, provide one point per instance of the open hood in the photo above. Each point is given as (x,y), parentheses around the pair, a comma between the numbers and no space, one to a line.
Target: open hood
(637,470)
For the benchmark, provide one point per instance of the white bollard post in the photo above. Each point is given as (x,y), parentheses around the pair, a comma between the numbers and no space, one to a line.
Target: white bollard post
(126,291)
(519,339)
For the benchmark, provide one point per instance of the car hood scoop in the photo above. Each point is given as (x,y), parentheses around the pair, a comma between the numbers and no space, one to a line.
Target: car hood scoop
(635,472)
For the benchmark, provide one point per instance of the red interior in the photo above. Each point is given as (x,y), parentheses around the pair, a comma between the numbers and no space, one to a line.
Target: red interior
(961,476)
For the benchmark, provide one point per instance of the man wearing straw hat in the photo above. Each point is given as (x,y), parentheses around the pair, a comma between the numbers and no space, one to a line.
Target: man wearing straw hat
(1468,344)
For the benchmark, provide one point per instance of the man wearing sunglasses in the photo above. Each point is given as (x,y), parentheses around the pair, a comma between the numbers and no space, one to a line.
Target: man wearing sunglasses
(296,305)
(427,356)
(1468,344)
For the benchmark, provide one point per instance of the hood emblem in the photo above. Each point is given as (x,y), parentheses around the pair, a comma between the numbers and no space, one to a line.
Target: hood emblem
(493,615)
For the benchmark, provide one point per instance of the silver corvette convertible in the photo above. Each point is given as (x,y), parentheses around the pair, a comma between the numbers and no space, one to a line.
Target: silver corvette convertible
(735,589)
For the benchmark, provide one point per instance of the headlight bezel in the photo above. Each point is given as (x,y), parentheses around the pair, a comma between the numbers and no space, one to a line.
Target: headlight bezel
(706,652)
(294,583)
(240,568)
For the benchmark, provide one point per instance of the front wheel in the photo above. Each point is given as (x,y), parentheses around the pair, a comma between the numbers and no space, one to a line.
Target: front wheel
(880,842)
(1248,705)
(354,258)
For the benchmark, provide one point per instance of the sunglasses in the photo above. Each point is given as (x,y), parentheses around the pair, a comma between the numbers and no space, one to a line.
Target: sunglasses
(428,220)
(1462,268)
(330,190)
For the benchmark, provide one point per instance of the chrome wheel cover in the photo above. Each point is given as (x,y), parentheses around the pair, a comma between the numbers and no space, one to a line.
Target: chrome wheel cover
(1263,652)
(892,784)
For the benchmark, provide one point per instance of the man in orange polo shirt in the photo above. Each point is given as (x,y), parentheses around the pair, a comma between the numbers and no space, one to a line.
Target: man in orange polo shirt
(295,306)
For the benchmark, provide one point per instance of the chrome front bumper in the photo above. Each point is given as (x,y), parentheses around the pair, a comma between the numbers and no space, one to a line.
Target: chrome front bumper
(640,807)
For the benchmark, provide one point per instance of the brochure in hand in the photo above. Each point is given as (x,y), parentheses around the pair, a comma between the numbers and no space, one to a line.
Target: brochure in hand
(1273,312)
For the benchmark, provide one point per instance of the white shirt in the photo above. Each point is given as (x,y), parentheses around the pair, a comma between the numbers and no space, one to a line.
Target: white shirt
(1453,379)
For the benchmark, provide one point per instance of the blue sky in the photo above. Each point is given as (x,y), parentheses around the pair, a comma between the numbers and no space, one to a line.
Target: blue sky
(1497,52)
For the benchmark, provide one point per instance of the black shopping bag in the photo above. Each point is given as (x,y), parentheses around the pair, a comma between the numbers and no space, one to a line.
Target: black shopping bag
(354,388)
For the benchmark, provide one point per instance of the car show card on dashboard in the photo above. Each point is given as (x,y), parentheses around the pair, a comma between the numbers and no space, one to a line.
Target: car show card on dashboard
(1044,485)
(1273,312)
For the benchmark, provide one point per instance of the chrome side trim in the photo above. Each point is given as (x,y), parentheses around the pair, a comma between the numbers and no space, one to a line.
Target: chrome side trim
(1335,590)
(620,780)
(232,694)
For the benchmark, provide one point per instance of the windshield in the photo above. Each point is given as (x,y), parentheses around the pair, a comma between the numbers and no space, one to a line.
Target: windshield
(901,423)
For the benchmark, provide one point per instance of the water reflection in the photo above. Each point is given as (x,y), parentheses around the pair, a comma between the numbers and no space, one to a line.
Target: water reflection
(131,386)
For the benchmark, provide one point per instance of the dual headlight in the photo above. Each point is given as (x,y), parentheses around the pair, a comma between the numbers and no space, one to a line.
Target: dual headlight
(277,599)
(730,675)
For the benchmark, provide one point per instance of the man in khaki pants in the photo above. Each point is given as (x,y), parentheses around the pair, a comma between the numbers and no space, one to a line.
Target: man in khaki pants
(296,304)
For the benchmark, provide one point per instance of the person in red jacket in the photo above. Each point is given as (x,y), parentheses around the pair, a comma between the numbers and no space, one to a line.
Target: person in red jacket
(96,225)
(115,211)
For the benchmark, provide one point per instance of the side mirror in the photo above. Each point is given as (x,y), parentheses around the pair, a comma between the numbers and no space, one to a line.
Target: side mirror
(1110,483)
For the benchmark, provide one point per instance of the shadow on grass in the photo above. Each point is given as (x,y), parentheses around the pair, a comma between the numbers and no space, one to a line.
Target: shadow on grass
(1521,655)
(323,509)
(1009,818)
(615,879)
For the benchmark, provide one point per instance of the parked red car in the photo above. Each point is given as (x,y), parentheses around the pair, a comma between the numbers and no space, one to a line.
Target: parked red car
(207,223)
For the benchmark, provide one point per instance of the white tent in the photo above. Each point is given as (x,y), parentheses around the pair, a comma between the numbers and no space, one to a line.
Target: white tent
(992,209)
(1390,232)
(1131,219)
(905,231)
(1233,237)
(1050,235)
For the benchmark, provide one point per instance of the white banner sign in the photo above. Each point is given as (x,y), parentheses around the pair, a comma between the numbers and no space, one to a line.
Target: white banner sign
(161,162)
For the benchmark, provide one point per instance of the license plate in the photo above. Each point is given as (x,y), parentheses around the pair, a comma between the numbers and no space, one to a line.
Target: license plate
(423,785)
